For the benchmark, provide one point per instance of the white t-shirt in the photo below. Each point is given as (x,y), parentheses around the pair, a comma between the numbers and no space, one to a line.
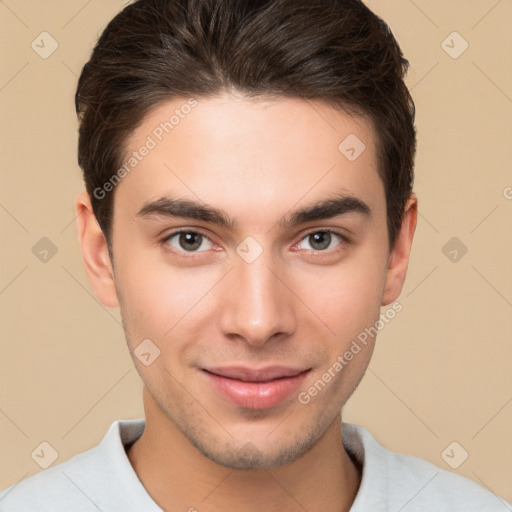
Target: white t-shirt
(102,479)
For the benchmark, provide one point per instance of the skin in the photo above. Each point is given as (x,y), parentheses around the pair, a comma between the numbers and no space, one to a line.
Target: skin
(257,161)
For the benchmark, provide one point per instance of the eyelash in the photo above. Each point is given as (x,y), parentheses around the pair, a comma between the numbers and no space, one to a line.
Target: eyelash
(196,254)
(344,241)
(184,254)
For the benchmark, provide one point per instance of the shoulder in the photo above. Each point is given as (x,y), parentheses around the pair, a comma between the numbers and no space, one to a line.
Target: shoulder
(98,479)
(61,487)
(428,484)
(411,483)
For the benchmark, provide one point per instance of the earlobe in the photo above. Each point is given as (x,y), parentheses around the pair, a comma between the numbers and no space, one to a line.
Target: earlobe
(399,255)
(95,255)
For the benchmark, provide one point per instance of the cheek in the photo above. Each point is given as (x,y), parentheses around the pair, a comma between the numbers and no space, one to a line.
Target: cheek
(346,297)
(349,304)
(157,298)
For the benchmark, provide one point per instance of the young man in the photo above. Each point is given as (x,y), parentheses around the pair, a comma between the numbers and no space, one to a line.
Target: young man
(249,207)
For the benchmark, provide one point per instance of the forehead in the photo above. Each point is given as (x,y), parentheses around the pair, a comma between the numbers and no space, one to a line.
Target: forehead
(249,153)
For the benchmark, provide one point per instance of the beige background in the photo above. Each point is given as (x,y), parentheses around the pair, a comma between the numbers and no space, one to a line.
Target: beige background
(441,369)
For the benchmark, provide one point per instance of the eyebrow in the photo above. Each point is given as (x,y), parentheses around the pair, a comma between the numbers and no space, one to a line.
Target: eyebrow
(185,208)
(189,209)
(327,209)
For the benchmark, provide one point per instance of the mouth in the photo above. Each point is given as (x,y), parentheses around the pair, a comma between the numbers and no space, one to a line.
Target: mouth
(255,388)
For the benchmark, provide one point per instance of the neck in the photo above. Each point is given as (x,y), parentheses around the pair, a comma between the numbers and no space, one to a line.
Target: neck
(178,477)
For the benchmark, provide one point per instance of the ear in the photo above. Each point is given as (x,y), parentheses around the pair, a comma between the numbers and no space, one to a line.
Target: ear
(399,255)
(94,249)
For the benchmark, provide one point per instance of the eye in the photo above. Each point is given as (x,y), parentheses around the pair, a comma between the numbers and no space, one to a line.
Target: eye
(321,240)
(189,241)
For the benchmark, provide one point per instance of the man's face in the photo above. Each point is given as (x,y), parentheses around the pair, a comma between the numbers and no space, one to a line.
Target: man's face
(250,313)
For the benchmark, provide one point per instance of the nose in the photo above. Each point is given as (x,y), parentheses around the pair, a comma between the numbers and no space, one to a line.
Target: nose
(257,306)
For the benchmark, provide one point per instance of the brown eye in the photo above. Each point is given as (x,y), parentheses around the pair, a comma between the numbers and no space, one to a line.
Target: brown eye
(189,241)
(320,241)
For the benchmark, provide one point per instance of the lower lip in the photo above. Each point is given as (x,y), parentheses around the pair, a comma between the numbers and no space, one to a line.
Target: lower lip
(256,395)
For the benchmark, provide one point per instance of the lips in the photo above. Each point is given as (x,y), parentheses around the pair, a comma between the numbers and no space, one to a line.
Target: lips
(255,388)
(255,375)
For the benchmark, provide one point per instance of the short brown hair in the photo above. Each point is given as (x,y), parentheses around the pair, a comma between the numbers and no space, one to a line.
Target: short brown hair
(336,51)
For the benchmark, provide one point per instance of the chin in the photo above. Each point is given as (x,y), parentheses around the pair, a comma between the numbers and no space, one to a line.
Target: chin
(249,456)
